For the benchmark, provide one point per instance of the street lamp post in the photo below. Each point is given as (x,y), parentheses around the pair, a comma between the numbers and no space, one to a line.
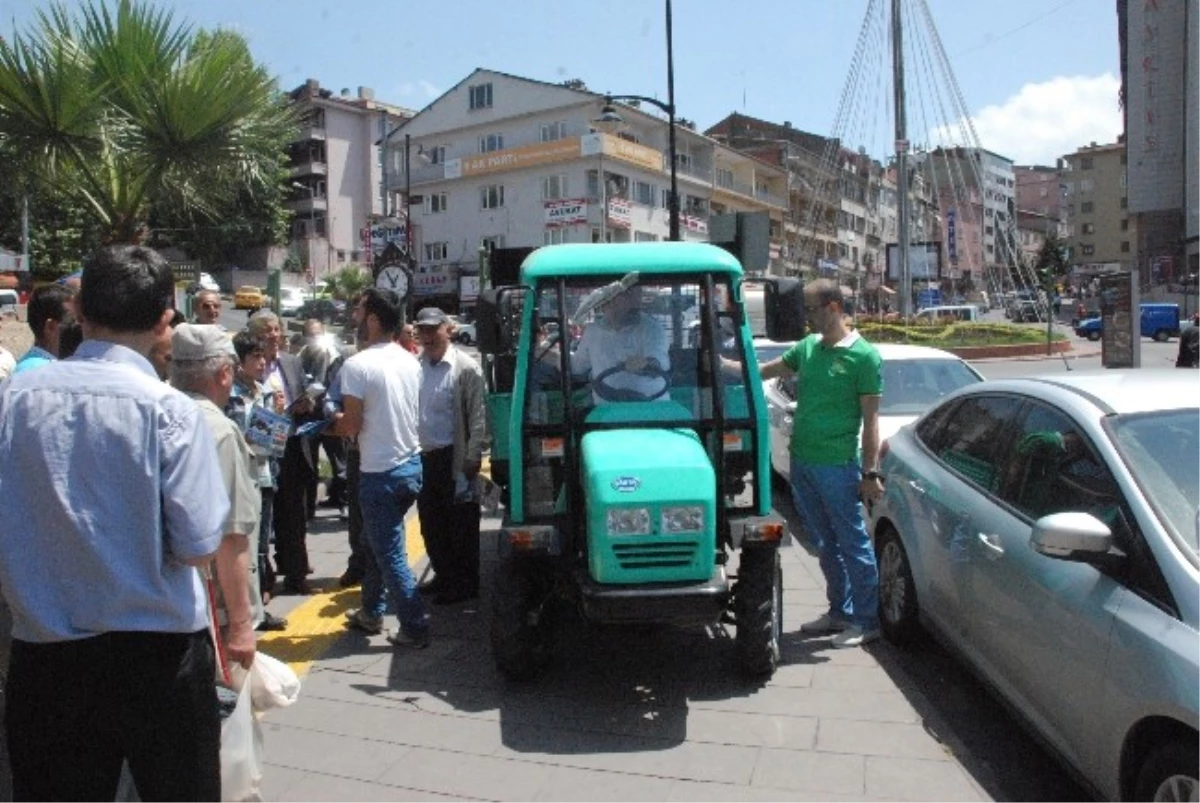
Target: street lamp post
(609,122)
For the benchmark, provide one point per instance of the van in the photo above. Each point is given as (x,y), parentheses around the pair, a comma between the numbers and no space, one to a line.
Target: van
(1158,321)
(962,312)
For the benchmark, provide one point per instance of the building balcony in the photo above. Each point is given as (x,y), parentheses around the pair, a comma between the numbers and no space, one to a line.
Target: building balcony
(305,205)
(309,132)
(310,168)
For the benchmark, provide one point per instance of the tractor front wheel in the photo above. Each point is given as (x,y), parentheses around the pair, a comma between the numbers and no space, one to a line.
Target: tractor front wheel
(521,633)
(758,610)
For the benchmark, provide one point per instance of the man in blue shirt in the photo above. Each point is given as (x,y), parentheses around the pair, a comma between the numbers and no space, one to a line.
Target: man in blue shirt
(113,495)
(48,314)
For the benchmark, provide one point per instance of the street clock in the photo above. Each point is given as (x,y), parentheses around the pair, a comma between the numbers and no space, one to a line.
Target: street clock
(393,278)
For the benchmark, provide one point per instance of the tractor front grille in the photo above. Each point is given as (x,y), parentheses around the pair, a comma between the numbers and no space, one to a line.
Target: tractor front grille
(633,557)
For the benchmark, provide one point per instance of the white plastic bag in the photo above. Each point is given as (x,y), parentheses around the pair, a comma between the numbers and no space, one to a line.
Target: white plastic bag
(241,747)
(273,684)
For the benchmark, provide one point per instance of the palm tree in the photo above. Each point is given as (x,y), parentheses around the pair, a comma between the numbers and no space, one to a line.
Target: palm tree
(126,111)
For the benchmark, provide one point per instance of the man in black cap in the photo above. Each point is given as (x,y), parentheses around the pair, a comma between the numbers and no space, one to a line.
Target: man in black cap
(451,429)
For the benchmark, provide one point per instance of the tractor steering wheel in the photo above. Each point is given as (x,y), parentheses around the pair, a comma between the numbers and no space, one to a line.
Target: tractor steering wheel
(607,392)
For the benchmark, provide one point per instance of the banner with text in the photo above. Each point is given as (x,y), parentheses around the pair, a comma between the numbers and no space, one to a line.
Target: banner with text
(566,212)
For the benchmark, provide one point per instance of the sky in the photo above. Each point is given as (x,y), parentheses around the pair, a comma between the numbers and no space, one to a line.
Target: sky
(1038,78)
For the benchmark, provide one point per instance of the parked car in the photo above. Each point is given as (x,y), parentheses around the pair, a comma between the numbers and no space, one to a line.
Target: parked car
(326,310)
(914,377)
(9,299)
(1046,530)
(962,312)
(290,300)
(464,333)
(248,297)
(1029,311)
(1158,321)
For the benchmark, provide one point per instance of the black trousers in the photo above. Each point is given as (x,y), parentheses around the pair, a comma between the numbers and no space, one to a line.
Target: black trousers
(77,709)
(450,529)
(291,513)
(357,562)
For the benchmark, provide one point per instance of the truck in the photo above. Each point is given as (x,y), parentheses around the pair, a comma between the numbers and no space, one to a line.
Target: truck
(632,506)
(1157,321)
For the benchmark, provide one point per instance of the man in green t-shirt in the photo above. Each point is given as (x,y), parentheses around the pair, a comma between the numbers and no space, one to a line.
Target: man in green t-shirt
(838,385)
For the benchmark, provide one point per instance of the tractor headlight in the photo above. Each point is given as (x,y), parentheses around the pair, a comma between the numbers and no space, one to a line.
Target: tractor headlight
(629,521)
(687,519)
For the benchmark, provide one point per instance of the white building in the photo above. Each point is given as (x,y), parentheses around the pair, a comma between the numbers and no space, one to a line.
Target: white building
(500,161)
(335,174)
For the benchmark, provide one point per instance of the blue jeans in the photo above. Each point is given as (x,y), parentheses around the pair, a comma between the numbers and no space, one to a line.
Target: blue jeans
(385,498)
(826,498)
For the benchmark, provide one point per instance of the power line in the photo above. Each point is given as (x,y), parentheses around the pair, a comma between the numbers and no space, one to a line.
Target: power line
(1017,29)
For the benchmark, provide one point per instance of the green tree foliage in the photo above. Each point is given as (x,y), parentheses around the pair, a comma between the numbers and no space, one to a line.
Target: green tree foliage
(350,281)
(133,117)
(1051,267)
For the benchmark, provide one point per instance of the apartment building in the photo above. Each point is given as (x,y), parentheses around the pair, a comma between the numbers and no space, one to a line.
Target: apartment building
(1039,190)
(337,182)
(501,161)
(1160,47)
(1099,227)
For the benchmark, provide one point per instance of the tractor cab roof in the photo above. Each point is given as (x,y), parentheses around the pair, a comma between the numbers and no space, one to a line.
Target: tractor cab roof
(618,259)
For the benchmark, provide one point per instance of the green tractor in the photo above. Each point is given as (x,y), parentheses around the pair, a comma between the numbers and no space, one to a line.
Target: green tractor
(630,482)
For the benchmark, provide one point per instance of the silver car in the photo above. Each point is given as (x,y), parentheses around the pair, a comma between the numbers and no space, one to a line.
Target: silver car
(914,377)
(1046,529)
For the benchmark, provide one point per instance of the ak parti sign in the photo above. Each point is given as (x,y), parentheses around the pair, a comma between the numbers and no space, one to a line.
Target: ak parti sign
(560,150)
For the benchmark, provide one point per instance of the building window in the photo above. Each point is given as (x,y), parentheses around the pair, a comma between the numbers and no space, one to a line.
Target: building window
(436,252)
(436,154)
(596,238)
(1042,192)
(1085,163)
(987,230)
(553,131)
(645,237)
(554,236)
(492,243)
(1087,250)
(1124,202)
(1088,228)
(491,196)
(1087,185)
(644,193)
(481,96)
(724,178)
(491,142)
(1124,160)
(1124,246)
(1087,208)
(683,161)
(435,203)
(554,187)
(1125,224)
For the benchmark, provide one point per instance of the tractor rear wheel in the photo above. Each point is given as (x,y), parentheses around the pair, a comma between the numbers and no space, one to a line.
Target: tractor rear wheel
(758,610)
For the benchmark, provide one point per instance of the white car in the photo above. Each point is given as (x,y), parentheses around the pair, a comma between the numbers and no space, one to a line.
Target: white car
(464,333)
(914,378)
(290,300)
(207,282)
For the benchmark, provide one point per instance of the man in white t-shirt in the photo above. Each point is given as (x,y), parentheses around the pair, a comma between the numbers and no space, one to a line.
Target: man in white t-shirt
(631,342)
(381,387)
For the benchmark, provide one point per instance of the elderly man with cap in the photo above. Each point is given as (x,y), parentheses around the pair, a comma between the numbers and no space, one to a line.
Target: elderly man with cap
(452,430)
(203,367)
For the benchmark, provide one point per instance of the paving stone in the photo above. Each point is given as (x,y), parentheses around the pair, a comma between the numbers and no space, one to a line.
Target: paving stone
(916,779)
(346,756)
(811,771)
(879,739)
(487,779)
(574,784)
(751,730)
(322,787)
(873,706)
(277,781)
(684,791)
(845,678)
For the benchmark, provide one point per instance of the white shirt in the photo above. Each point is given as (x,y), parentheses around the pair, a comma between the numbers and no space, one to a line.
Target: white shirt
(388,381)
(603,347)
(437,403)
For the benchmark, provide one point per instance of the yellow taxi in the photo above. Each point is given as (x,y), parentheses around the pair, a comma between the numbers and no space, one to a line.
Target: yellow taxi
(248,297)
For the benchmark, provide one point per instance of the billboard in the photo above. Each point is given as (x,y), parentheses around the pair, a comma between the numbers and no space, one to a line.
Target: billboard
(924,261)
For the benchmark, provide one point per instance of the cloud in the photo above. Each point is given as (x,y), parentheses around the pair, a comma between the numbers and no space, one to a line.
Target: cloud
(419,88)
(1049,119)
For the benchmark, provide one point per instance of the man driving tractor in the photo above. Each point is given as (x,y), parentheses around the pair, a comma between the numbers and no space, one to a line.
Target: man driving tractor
(625,351)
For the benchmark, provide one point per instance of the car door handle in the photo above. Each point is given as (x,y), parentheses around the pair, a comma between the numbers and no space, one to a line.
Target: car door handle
(992,544)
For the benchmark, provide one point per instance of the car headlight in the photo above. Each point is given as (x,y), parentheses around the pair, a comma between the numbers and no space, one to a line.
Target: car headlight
(686,519)
(629,521)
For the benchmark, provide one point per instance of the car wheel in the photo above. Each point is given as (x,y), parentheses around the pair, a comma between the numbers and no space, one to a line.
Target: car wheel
(1093,336)
(1162,336)
(758,608)
(1169,772)
(897,592)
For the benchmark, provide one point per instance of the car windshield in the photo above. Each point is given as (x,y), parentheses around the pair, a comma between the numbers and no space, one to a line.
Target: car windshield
(910,387)
(1160,450)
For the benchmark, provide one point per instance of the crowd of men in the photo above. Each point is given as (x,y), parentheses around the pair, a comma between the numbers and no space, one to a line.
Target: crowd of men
(159,462)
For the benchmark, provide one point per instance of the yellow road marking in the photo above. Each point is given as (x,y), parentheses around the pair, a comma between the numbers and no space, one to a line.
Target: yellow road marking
(317,623)
(314,625)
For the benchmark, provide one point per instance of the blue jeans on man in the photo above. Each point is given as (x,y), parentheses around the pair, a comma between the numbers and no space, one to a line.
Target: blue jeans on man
(826,498)
(385,498)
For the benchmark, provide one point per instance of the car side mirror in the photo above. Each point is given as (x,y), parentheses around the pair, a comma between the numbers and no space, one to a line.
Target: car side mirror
(1071,536)
(783,308)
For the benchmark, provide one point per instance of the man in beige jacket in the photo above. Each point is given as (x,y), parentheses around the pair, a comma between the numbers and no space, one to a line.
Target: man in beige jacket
(451,429)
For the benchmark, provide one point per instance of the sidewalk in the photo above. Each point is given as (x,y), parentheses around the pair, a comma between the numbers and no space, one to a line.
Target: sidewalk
(652,714)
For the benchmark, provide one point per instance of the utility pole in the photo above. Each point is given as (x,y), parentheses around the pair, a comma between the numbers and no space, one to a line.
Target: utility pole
(901,158)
